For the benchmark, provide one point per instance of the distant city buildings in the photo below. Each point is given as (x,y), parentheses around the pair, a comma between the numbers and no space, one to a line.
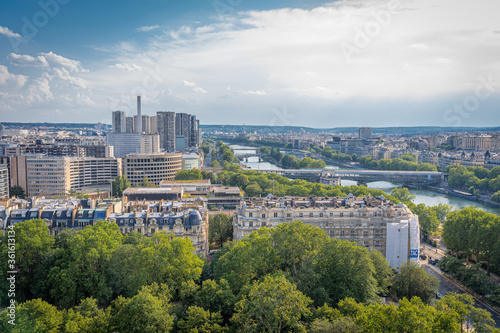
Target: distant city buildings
(365,133)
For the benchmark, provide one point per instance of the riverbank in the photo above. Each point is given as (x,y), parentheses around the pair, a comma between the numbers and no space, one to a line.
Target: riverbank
(463,195)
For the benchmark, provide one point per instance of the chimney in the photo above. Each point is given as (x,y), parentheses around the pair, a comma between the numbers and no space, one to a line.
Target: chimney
(139,115)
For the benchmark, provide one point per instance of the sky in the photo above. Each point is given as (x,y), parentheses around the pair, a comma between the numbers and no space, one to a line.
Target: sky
(284,63)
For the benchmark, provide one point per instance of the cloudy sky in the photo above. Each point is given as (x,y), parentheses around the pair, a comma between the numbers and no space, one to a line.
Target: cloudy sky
(298,62)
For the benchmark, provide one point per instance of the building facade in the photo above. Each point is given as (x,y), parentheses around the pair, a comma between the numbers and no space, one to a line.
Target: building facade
(124,143)
(166,129)
(156,167)
(150,143)
(41,175)
(4,181)
(373,223)
(119,121)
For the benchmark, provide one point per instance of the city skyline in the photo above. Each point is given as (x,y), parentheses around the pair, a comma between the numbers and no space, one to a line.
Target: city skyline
(316,64)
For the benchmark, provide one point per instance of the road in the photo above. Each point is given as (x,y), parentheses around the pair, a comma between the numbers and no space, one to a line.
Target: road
(446,286)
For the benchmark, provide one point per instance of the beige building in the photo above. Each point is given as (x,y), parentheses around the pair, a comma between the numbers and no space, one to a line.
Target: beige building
(150,143)
(40,175)
(375,223)
(156,167)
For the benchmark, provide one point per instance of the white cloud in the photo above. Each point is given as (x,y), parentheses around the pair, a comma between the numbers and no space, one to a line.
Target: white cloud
(72,65)
(254,92)
(9,78)
(128,67)
(195,87)
(9,33)
(148,28)
(294,56)
(23,60)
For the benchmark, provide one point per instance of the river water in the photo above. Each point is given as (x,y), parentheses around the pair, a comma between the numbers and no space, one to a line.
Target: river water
(427,197)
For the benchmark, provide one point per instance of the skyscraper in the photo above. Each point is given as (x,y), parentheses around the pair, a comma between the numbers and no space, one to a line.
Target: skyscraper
(119,121)
(130,124)
(194,140)
(183,128)
(166,129)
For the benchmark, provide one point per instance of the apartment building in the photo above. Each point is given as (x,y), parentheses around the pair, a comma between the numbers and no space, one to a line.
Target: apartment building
(41,175)
(375,223)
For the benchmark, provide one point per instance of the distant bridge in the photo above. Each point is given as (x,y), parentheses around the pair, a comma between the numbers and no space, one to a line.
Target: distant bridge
(361,176)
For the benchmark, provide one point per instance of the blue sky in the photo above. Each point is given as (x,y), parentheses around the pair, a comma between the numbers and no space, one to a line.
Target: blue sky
(304,63)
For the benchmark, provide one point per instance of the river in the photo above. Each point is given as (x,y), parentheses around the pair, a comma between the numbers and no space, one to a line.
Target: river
(427,197)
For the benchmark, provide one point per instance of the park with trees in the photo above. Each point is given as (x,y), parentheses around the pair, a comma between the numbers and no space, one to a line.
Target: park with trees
(292,278)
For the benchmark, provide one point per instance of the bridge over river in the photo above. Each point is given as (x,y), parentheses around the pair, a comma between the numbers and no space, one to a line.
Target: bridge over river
(332,177)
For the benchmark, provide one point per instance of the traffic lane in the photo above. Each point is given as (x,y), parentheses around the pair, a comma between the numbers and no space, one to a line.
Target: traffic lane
(446,286)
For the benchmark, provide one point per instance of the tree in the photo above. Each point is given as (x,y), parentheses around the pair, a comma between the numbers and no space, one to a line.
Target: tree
(78,271)
(340,325)
(427,218)
(193,174)
(32,243)
(442,210)
(220,229)
(215,164)
(33,316)
(496,197)
(216,297)
(16,191)
(383,272)
(144,312)
(120,184)
(228,156)
(402,194)
(412,280)
(253,190)
(339,269)
(147,183)
(199,320)
(273,305)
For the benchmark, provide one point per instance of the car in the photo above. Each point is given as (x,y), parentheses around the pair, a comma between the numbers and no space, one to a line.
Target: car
(423,257)
(438,296)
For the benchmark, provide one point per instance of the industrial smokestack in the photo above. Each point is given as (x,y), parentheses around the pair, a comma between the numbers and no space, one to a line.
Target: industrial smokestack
(139,115)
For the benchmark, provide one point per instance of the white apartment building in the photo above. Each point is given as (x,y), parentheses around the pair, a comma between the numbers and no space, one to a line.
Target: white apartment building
(375,223)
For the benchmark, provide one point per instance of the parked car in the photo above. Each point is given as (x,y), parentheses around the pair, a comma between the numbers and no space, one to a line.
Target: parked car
(423,257)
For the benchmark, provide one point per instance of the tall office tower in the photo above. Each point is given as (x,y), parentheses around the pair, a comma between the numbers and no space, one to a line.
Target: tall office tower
(166,129)
(150,144)
(146,124)
(139,115)
(154,128)
(119,121)
(194,139)
(183,129)
(365,133)
(130,124)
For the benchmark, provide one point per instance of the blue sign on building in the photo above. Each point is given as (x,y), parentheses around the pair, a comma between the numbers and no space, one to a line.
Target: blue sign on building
(414,253)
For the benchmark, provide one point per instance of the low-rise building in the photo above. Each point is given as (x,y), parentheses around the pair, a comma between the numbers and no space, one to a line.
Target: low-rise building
(374,223)
(156,167)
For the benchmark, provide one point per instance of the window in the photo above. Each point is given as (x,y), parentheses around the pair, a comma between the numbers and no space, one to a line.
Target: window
(275,214)
(250,224)
(250,214)
(311,214)
(288,215)
(331,214)
(320,214)
(263,216)
(341,214)
(351,214)
(301,215)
